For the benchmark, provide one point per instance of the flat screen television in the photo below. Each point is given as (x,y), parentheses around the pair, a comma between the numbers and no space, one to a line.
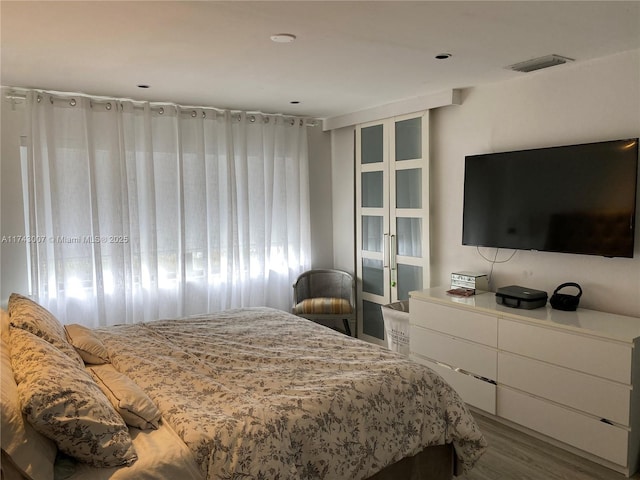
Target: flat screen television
(572,199)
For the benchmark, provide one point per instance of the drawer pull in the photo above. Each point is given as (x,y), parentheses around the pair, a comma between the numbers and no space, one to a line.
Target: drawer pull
(464,372)
(479,377)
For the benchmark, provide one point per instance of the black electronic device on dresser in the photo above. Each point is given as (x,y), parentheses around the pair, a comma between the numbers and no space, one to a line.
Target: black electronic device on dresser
(521,297)
(516,296)
(566,301)
(572,199)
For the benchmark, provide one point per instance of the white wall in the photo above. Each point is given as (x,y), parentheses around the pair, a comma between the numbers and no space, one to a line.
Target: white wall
(13,256)
(320,197)
(343,184)
(582,102)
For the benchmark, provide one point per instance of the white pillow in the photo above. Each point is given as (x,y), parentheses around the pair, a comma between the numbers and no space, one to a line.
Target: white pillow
(129,400)
(88,346)
(30,452)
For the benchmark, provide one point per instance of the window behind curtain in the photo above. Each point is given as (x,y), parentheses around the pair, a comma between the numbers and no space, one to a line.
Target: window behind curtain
(157,211)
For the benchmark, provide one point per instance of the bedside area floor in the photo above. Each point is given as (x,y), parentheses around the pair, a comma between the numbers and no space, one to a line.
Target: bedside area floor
(514,455)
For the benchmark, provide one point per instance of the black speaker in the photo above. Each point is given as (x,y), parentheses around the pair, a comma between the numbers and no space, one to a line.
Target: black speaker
(564,301)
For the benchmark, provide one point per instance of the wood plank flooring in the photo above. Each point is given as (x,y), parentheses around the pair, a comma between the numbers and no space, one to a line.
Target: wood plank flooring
(513,455)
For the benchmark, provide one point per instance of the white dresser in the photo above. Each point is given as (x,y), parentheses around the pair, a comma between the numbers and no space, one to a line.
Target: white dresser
(569,376)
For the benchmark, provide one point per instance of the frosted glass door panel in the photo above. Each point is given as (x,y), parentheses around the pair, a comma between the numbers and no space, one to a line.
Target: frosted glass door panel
(409,188)
(372,276)
(372,144)
(409,279)
(372,189)
(409,231)
(409,139)
(372,321)
(372,233)
(392,216)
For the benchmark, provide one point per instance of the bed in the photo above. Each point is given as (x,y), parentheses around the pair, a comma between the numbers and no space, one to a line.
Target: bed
(252,393)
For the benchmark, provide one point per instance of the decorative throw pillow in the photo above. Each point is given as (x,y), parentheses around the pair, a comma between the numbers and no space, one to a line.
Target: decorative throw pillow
(129,400)
(88,346)
(63,402)
(28,451)
(26,314)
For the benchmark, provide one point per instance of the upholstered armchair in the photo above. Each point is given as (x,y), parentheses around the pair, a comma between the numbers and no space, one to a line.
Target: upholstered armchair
(324,294)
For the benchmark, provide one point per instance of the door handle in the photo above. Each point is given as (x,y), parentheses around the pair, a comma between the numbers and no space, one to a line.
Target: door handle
(385,250)
(393,261)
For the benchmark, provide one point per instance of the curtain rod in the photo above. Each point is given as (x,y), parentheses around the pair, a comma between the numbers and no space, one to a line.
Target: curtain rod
(22,95)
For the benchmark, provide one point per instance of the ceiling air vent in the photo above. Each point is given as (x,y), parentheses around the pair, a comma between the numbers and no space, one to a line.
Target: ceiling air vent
(539,63)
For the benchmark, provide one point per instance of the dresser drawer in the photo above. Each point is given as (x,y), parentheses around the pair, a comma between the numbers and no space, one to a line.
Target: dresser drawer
(468,356)
(458,322)
(602,358)
(599,397)
(473,391)
(581,431)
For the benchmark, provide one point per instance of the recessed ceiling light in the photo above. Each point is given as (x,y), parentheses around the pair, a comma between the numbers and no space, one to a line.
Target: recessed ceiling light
(143,86)
(283,38)
(443,56)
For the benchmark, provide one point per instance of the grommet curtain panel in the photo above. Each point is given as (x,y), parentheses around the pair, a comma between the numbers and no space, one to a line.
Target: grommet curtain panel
(140,211)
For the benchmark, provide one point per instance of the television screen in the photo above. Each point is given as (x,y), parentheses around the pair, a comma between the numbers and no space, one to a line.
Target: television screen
(572,199)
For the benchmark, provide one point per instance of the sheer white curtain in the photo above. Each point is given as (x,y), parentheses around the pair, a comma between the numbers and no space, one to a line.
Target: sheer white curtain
(147,211)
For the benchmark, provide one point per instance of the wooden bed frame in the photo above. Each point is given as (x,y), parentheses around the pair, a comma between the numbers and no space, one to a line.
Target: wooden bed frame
(433,463)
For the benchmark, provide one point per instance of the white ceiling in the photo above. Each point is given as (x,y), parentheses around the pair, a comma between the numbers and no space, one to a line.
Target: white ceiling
(348,56)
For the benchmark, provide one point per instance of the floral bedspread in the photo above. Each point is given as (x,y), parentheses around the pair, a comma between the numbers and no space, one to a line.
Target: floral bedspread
(262,394)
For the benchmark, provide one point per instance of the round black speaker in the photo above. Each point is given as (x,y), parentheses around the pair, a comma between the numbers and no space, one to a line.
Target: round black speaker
(564,301)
